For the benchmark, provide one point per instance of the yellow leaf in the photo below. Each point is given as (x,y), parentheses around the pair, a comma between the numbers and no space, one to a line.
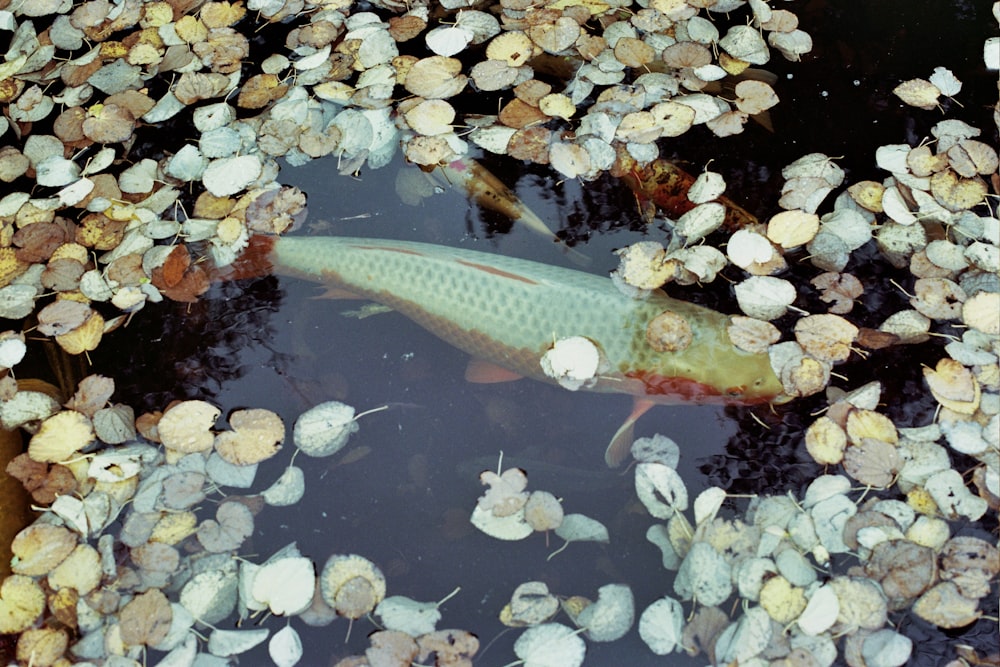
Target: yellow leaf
(863,424)
(172,528)
(85,337)
(781,600)
(826,441)
(60,437)
(21,603)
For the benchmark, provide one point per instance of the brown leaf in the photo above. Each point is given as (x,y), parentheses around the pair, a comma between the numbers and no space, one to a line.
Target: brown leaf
(903,568)
(176,264)
(92,394)
(43,481)
(450,647)
(260,90)
(391,647)
(62,275)
(36,242)
(192,284)
(839,289)
(146,619)
(108,124)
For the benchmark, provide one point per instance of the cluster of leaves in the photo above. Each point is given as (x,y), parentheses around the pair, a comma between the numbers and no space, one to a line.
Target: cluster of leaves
(95,221)
(639,74)
(122,559)
(903,556)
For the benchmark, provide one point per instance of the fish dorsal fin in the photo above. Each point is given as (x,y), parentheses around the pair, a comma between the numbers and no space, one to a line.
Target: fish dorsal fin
(485,372)
(621,443)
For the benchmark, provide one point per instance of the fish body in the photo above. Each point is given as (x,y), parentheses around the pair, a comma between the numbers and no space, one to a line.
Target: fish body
(509,311)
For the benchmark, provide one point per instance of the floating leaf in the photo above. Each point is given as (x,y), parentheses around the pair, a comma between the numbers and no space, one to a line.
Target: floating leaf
(256,436)
(225,643)
(580,528)
(765,297)
(543,511)
(352,585)
(945,607)
(661,624)
(574,362)
(146,619)
(611,616)
(530,604)
(655,481)
(285,585)
(405,615)
(186,426)
(22,601)
(704,576)
(550,645)
(60,437)
(324,429)
(285,647)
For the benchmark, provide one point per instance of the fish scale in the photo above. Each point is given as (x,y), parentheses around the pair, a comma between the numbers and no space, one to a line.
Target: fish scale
(509,311)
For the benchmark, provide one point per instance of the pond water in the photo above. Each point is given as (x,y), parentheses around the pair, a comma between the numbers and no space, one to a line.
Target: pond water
(404,505)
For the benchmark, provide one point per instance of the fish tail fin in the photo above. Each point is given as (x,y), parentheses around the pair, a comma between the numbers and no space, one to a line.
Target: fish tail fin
(254,262)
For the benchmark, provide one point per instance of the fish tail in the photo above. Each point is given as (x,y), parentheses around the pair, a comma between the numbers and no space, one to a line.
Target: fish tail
(254,262)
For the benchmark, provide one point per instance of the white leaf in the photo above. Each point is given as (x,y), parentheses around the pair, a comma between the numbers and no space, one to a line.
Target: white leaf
(701,221)
(448,40)
(210,595)
(820,613)
(324,429)
(744,639)
(225,643)
(99,162)
(285,647)
(704,576)
(511,527)
(187,164)
(661,625)
(405,615)
(285,585)
(56,171)
(229,175)
(287,489)
(580,528)
(550,645)
(765,297)
(573,362)
(707,504)
(611,616)
(708,186)
(953,498)
(660,489)
(656,449)
(946,81)
(886,647)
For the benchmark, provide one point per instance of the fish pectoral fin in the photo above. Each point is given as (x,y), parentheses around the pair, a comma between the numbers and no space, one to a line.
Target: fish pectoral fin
(485,372)
(621,443)
(339,293)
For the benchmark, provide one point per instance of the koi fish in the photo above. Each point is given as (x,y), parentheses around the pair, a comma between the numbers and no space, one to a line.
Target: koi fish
(488,191)
(507,312)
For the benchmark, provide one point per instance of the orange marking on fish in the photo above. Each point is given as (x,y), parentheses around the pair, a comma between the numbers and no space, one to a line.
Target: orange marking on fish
(686,388)
(497,272)
(405,251)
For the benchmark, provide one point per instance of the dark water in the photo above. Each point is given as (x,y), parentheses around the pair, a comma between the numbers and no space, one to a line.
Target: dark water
(268,343)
